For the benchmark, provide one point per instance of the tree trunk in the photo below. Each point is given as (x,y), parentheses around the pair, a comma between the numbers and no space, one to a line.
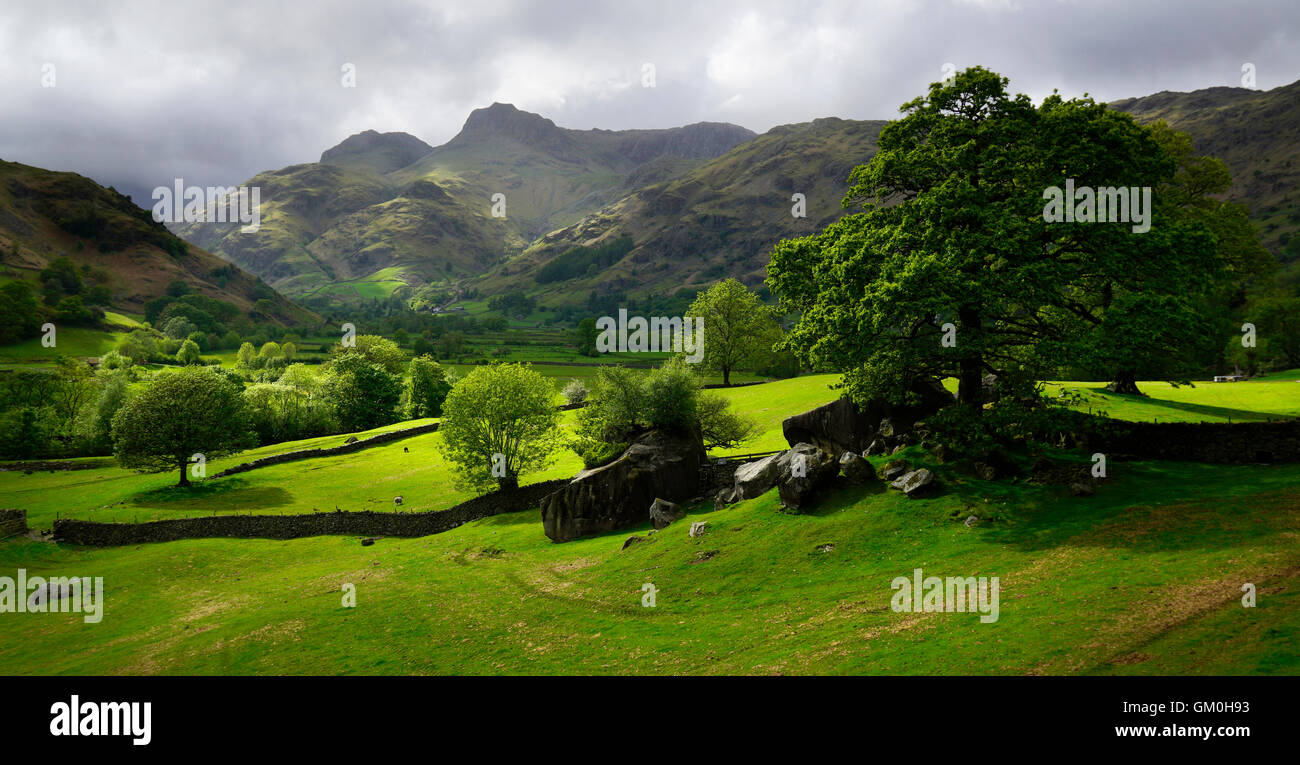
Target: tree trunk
(508,483)
(970,376)
(726,377)
(1125,382)
(185,474)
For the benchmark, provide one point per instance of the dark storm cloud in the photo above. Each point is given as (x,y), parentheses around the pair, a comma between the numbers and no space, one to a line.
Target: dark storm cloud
(215,92)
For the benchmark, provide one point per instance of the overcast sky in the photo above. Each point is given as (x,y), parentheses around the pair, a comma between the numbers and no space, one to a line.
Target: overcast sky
(215,92)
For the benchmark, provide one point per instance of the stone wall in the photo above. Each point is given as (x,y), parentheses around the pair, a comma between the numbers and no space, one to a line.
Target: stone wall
(365,523)
(12,523)
(1218,442)
(329,451)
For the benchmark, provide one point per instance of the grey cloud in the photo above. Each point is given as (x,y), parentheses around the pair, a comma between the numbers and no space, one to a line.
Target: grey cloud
(214,93)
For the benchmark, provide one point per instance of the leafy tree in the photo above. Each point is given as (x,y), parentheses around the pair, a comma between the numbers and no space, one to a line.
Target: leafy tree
(246,358)
(20,314)
(182,413)
(364,394)
(575,392)
(585,337)
(954,270)
(188,355)
(502,416)
(376,350)
(427,387)
(739,331)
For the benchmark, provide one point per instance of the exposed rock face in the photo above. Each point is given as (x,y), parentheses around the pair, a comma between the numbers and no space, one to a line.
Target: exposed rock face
(698,528)
(838,427)
(663,513)
(658,465)
(842,425)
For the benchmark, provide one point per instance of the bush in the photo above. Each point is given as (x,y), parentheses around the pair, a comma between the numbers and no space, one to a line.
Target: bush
(575,392)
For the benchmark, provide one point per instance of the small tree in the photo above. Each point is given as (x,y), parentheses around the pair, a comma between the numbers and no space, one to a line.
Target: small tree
(183,413)
(739,331)
(188,355)
(427,387)
(500,422)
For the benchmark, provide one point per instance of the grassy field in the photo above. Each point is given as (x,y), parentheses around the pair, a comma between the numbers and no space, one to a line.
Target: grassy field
(1145,577)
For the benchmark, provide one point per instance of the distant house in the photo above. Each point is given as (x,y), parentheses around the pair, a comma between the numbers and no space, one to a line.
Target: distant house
(1229,378)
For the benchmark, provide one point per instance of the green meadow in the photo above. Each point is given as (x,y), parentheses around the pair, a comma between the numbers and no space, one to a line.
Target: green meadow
(1144,577)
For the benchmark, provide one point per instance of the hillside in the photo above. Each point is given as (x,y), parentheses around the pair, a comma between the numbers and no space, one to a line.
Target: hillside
(720,219)
(383,211)
(45,215)
(1257,134)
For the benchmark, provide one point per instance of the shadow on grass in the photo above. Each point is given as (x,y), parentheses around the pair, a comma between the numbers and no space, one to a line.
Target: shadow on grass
(227,495)
(1242,415)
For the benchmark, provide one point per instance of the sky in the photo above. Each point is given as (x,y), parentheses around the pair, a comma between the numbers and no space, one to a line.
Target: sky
(135,94)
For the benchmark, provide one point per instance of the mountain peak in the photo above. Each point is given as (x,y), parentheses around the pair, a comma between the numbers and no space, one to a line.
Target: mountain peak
(505,120)
(383,152)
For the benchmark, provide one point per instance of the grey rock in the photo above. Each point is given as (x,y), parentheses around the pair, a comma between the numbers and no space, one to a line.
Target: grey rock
(754,479)
(856,469)
(915,483)
(895,468)
(632,540)
(663,513)
(658,465)
(698,527)
(1082,490)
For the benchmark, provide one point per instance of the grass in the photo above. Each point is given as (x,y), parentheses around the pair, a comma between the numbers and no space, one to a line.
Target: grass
(1143,578)
(1275,397)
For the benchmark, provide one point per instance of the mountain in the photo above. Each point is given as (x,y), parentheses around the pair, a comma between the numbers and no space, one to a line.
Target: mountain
(719,219)
(380,152)
(45,215)
(1257,134)
(383,211)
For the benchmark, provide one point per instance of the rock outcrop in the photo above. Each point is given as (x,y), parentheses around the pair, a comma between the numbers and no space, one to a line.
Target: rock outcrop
(658,465)
(843,426)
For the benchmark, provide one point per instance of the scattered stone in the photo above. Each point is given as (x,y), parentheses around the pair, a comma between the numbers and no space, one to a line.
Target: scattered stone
(368,541)
(972,520)
(1082,490)
(825,548)
(916,483)
(698,527)
(632,540)
(894,469)
(663,512)
(350,440)
(856,469)
(898,449)
(704,555)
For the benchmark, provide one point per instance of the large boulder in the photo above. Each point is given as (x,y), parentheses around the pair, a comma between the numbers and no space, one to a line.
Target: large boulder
(838,427)
(754,479)
(806,470)
(843,426)
(658,465)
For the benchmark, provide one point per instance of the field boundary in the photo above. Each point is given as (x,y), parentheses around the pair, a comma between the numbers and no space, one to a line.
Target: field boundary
(339,522)
(328,451)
